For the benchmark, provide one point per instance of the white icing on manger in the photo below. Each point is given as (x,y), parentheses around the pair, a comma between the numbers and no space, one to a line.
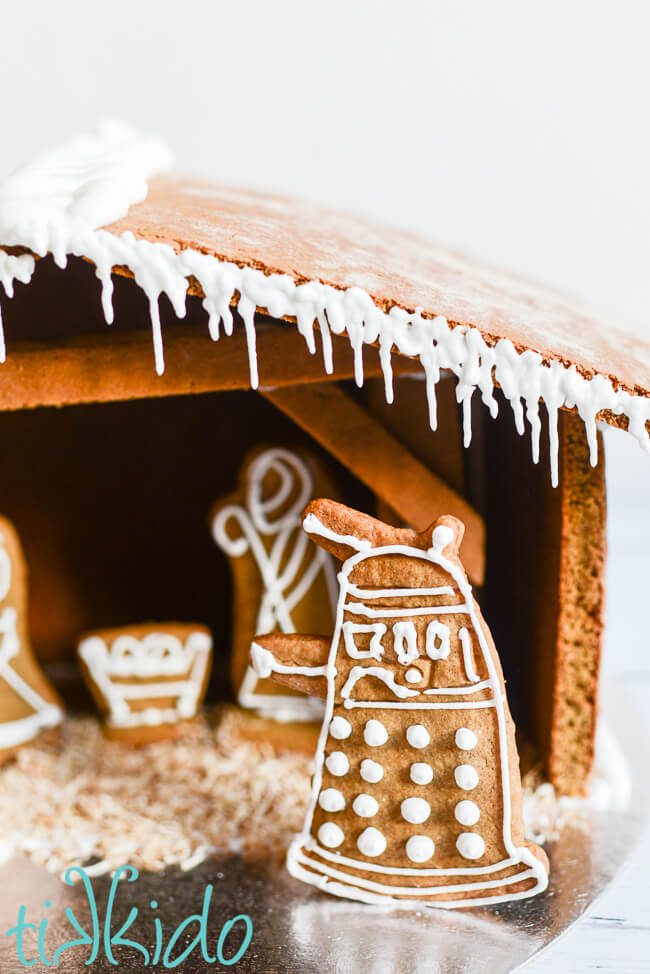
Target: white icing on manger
(154,655)
(59,203)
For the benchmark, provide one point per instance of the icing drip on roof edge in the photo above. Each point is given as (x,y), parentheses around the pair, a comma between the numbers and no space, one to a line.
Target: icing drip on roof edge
(59,203)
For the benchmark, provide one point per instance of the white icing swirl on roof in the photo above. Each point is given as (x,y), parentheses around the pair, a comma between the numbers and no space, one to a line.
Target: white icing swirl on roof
(59,204)
(84,184)
(56,203)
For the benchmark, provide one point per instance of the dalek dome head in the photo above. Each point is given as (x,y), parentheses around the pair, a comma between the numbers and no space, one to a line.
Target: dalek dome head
(408,568)
(376,554)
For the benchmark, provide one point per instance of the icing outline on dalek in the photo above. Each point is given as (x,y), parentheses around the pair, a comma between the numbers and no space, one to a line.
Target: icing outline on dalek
(154,655)
(397,860)
(285,578)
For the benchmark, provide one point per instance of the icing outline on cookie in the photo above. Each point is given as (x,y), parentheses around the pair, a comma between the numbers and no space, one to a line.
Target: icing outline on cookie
(323,871)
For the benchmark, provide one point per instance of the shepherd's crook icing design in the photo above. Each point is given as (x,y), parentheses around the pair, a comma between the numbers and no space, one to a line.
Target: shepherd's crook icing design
(268,527)
(412,677)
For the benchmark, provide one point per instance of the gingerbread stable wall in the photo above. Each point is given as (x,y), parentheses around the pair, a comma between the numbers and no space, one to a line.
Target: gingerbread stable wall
(544,591)
(111,492)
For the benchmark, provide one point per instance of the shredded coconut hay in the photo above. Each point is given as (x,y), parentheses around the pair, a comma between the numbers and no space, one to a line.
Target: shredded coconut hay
(547,814)
(85,799)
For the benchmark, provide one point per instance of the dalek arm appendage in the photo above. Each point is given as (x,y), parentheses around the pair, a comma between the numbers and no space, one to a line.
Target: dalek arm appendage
(297,661)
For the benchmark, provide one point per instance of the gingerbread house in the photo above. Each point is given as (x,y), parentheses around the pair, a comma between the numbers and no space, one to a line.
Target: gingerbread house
(427,384)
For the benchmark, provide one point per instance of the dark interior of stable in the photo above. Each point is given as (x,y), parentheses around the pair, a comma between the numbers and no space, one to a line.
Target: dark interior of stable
(111,500)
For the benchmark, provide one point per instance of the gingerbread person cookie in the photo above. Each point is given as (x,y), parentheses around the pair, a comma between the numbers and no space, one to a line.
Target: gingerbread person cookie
(28,703)
(416,796)
(282,581)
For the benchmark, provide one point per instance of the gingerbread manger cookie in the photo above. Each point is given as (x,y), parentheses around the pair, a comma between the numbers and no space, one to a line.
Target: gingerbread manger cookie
(417,793)
(282,581)
(147,680)
(28,703)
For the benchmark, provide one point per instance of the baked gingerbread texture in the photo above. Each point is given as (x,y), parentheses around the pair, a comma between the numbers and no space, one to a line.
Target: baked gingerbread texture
(544,595)
(282,581)
(398,304)
(416,795)
(148,680)
(29,705)
(570,636)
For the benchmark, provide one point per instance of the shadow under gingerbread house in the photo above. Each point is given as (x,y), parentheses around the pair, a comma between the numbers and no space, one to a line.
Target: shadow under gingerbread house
(353,363)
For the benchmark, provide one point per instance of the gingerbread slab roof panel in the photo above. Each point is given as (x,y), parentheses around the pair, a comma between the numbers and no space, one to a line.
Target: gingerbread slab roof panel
(307,242)
(102,197)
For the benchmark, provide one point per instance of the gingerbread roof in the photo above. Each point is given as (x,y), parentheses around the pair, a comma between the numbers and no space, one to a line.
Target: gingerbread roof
(281,235)
(330,273)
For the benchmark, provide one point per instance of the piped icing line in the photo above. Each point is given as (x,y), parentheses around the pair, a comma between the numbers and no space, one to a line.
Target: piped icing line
(286,581)
(419,705)
(265,663)
(44,713)
(157,654)
(360,608)
(392,593)
(59,203)
(380,673)
(287,569)
(312,525)
(304,846)
(468,662)
(354,887)
(375,650)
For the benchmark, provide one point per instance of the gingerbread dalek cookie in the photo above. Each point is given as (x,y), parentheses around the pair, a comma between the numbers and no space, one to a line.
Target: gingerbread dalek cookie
(417,795)
(282,581)
(28,704)
(147,680)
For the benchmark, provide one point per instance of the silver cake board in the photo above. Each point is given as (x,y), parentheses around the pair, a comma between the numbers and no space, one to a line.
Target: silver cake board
(298,930)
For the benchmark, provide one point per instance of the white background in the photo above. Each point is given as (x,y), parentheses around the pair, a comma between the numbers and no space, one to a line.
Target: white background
(516,130)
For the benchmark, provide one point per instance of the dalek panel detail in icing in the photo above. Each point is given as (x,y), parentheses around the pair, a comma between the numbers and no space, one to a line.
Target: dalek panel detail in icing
(416,794)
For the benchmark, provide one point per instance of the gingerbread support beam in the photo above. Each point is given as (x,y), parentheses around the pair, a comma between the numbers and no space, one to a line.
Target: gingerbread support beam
(373,455)
(113,366)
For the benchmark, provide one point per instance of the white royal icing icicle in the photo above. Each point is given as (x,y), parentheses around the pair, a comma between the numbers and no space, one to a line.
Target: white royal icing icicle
(13,268)
(58,203)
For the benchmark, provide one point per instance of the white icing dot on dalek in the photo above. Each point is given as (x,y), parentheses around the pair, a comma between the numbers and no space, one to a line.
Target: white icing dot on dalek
(147,680)
(416,796)
(28,703)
